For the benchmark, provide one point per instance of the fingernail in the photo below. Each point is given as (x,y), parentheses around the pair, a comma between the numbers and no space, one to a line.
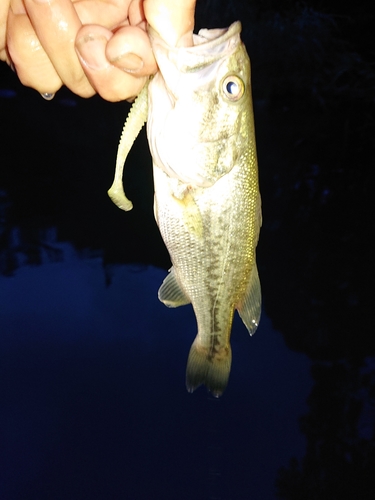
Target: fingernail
(90,50)
(129,62)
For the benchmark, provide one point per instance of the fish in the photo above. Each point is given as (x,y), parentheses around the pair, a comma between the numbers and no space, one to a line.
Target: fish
(207,205)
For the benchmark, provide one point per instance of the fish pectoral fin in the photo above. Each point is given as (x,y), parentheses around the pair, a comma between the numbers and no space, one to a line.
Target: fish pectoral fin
(250,308)
(210,369)
(170,292)
(190,213)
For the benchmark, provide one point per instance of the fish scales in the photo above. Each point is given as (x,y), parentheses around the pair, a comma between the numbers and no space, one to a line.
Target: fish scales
(207,203)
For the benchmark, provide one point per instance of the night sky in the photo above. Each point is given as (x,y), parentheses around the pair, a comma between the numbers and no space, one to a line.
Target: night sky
(93,402)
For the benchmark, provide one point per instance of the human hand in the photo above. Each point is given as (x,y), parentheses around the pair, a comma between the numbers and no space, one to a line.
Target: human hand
(89,45)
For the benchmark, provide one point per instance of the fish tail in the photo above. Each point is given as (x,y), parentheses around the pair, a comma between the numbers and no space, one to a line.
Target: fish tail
(209,368)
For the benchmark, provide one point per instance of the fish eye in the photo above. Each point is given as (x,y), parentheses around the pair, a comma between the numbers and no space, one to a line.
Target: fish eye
(233,87)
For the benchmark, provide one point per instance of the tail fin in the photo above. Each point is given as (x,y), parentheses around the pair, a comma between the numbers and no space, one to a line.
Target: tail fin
(210,369)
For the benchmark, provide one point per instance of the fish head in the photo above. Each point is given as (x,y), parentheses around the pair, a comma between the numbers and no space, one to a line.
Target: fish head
(200,106)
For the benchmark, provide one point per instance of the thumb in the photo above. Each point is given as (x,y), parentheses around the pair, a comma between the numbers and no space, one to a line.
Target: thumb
(172,19)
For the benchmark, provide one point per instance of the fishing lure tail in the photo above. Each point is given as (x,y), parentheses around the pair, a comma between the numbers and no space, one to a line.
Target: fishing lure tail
(133,125)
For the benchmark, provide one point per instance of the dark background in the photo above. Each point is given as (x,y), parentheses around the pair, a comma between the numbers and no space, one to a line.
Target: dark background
(93,404)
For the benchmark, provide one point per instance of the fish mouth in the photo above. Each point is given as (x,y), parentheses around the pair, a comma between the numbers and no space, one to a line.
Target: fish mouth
(210,45)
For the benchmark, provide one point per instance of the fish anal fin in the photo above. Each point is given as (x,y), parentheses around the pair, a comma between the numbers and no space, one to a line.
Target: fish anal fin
(212,370)
(170,292)
(250,307)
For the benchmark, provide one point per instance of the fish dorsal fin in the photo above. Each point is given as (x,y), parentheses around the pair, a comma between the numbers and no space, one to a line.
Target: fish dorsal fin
(250,308)
(133,125)
(170,292)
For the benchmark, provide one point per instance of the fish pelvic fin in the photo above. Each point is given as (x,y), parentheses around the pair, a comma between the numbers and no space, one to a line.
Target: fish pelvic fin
(170,292)
(209,369)
(133,125)
(250,307)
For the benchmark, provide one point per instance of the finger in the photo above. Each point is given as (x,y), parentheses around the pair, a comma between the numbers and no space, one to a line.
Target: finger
(107,13)
(136,13)
(32,64)
(172,19)
(130,50)
(4,8)
(56,23)
(112,83)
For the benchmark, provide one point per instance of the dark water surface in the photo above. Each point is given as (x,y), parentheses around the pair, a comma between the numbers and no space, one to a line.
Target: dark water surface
(95,403)
(92,365)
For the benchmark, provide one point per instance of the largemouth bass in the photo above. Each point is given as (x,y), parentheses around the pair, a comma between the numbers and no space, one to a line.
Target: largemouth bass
(207,205)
